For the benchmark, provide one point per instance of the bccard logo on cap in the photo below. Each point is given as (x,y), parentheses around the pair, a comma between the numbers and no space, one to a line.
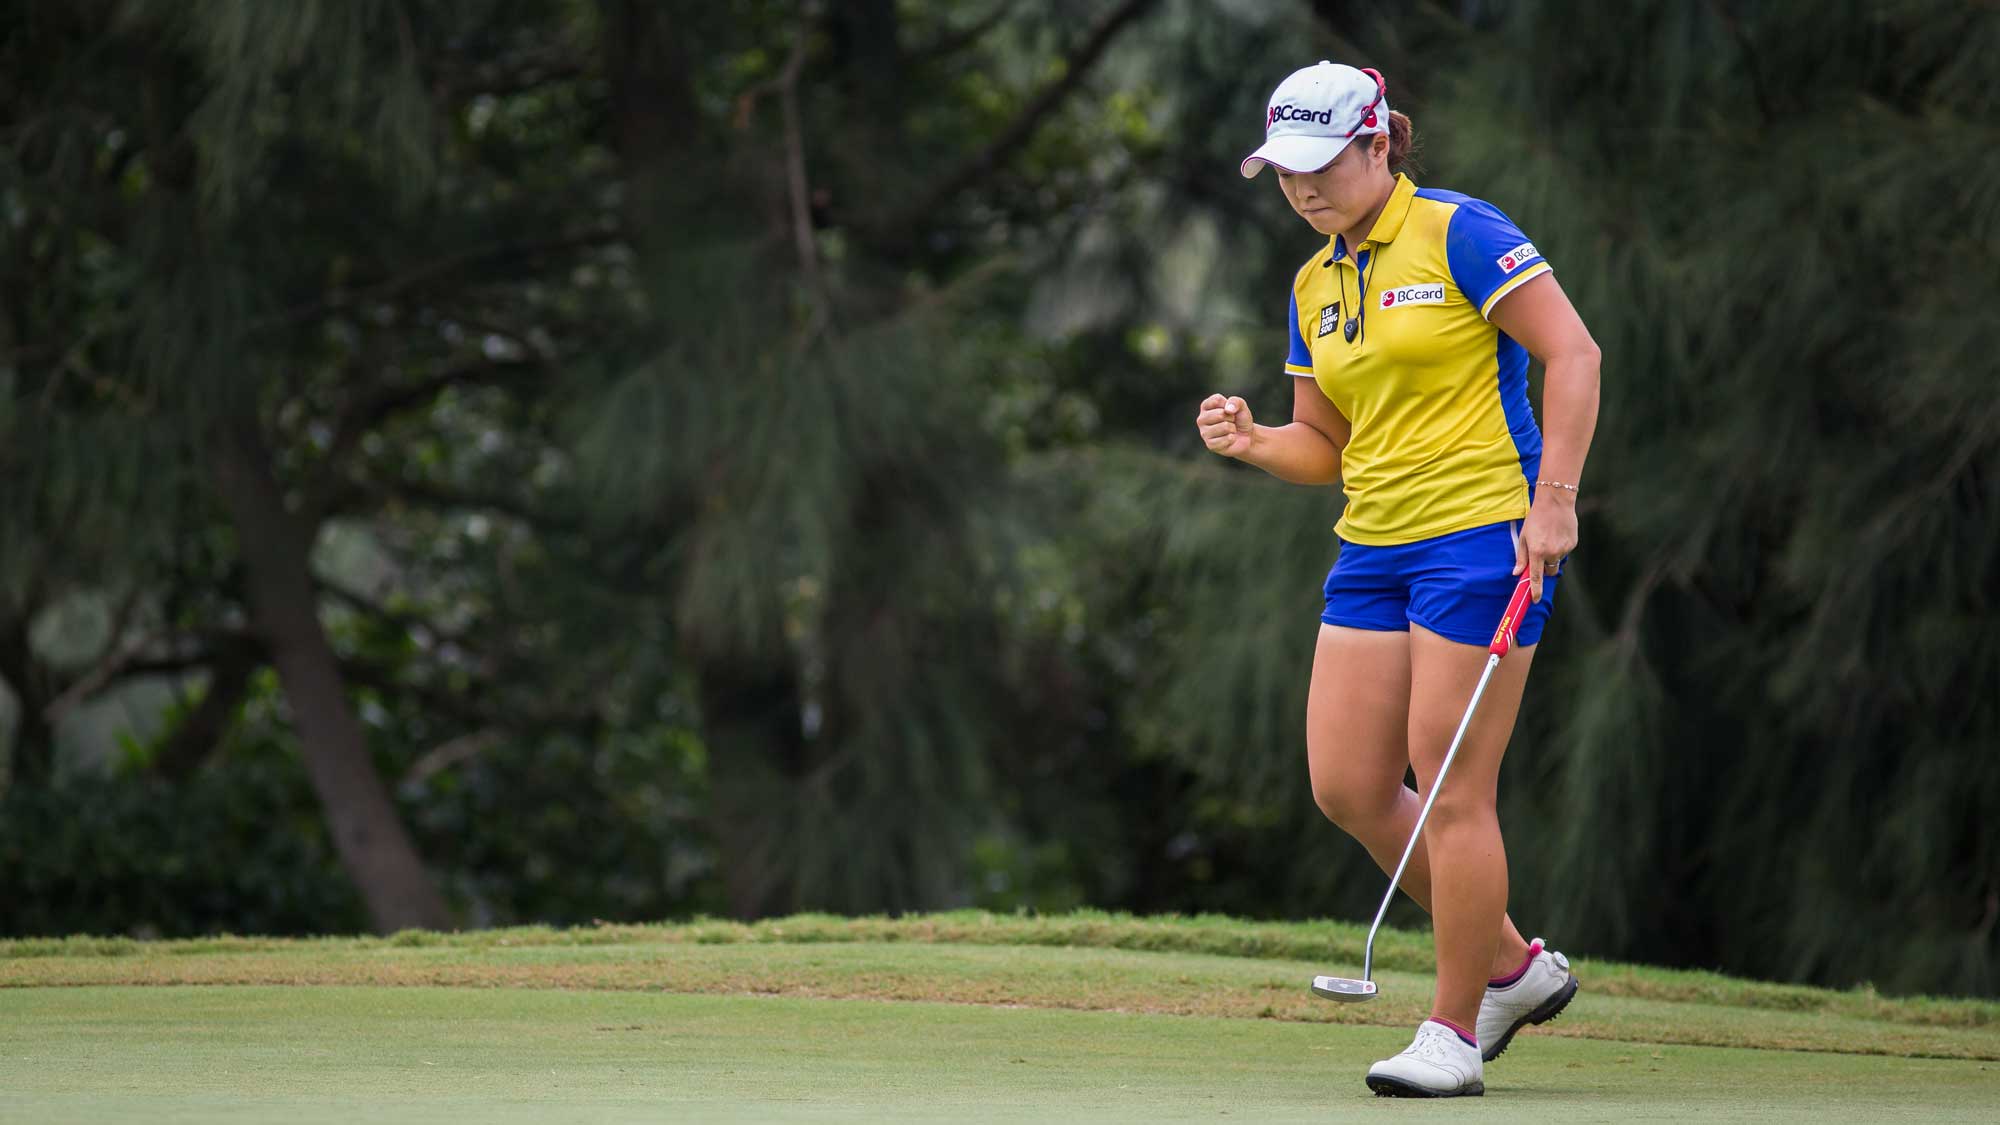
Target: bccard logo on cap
(1279,113)
(1313,114)
(1517,257)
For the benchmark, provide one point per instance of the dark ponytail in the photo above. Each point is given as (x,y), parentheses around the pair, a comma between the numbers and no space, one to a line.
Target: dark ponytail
(1402,141)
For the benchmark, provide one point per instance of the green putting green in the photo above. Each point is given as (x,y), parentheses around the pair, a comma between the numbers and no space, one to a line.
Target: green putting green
(302,1055)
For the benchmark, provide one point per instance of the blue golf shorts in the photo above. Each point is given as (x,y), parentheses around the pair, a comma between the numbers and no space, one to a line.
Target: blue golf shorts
(1455,585)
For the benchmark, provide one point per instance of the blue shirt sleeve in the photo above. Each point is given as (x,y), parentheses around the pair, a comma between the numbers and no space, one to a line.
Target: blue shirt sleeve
(1489,255)
(1300,362)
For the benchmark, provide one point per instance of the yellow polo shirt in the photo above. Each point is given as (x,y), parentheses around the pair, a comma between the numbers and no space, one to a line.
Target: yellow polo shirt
(1444,438)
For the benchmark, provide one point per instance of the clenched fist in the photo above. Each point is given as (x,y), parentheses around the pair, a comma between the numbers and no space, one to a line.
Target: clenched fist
(1225,425)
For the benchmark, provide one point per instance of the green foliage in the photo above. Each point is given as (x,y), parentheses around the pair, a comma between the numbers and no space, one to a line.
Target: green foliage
(238,850)
(1765,716)
(613,832)
(746,452)
(548,829)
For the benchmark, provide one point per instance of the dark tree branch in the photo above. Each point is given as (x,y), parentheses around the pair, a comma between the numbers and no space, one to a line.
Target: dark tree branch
(362,603)
(1019,131)
(953,42)
(358,498)
(193,660)
(450,753)
(372,410)
(385,683)
(519,74)
(511,252)
(367,411)
(202,730)
(1734,27)
(797,186)
(119,662)
(110,663)
(458,707)
(167,665)
(785,84)
(479,324)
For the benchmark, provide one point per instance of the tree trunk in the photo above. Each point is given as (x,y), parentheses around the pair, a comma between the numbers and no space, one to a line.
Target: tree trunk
(653,109)
(749,718)
(32,759)
(373,845)
(868,50)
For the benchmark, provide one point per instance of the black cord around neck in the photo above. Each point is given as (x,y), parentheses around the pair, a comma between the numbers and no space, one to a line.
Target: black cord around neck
(1357,320)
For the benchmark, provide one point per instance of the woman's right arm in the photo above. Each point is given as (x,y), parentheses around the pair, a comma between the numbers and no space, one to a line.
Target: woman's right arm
(1304,451)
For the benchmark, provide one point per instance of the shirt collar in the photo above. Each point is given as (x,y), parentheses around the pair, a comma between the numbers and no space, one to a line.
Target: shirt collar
(1389,223)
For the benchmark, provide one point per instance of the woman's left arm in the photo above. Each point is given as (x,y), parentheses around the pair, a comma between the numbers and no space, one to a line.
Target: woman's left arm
(1540,317)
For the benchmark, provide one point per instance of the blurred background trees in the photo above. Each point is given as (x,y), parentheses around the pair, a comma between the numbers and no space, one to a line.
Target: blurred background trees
(499,460)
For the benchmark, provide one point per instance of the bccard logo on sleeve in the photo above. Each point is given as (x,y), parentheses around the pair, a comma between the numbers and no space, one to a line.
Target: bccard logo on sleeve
(1432,294)
(1517,257)
(1329,316)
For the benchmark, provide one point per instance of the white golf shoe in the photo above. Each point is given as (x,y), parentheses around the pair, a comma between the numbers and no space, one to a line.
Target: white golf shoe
(1541,991)
(1437,1064)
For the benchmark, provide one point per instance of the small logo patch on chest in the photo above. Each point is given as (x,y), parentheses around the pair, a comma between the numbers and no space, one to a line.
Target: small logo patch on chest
(1329,317)
(1432,294)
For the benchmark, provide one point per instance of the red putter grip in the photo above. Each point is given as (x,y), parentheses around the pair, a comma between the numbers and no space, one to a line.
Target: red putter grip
(1517,608)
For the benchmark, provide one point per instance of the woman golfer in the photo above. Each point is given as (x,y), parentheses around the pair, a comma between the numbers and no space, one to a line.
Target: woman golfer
(1410,336)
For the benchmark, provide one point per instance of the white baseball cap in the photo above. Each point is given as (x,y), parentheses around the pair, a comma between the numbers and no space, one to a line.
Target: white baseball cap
(1315,112)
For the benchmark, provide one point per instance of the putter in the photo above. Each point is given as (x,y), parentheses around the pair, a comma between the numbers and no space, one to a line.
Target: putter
(1345,988)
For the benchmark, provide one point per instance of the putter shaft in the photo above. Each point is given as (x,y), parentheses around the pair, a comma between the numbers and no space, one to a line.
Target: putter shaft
(1417,833)
(1339,988)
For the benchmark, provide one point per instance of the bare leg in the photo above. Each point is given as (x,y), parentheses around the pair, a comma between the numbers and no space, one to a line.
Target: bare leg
(1469,882)
(1358,746)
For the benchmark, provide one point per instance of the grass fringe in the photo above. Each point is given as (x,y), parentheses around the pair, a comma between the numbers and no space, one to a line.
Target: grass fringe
(1325,942)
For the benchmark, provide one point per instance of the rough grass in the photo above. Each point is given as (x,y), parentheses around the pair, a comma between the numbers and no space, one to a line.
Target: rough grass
(1205,966)
(1324,943)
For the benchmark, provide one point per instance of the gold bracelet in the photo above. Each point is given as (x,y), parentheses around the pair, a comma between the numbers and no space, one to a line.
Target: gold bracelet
(1556,484)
